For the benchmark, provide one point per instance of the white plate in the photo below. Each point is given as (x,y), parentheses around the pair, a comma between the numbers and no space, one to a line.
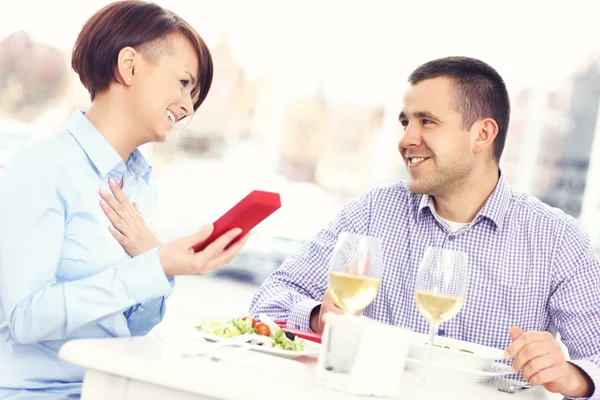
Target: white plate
(481,358)
(310,348)
(460,374)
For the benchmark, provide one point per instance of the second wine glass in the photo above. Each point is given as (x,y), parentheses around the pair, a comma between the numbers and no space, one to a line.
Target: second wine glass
(440,288)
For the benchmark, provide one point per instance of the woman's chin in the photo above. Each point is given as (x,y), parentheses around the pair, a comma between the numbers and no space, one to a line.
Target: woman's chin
(160,137)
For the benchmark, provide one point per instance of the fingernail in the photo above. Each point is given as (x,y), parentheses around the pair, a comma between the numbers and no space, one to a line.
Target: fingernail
(507,355)
(102,191)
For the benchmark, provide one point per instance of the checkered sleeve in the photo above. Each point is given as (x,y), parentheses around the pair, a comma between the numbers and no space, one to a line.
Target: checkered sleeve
(575,303)
(298,285)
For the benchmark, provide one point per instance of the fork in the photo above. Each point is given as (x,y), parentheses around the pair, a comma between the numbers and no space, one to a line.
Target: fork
(227,353)
(188,347)
(509,385)
(237,341)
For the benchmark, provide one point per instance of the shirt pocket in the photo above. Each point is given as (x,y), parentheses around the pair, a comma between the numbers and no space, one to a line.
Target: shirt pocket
(503,295)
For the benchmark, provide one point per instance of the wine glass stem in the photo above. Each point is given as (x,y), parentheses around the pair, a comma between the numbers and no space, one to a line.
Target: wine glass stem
(432,331)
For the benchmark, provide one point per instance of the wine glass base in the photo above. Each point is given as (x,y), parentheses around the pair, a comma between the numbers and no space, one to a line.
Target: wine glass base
(425,378)
(425,387)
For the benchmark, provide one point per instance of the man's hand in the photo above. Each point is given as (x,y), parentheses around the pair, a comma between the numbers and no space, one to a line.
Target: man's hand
(316,317)
(317,314)
(542,361)
(328,306)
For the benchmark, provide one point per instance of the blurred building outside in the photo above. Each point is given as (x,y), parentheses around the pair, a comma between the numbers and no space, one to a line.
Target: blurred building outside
(553,147)
(330,149)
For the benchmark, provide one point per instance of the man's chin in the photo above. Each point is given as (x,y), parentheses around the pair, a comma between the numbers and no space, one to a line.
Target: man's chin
(417,187)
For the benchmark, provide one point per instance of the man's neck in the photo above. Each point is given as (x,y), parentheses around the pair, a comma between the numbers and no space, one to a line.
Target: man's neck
(463,205)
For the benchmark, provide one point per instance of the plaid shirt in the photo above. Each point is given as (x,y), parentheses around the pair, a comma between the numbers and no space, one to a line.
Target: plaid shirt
(530,266)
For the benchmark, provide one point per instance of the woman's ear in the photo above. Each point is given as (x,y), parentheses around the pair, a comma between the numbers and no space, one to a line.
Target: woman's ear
(126,62)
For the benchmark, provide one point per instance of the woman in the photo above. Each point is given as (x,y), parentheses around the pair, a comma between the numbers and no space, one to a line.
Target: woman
(62,274)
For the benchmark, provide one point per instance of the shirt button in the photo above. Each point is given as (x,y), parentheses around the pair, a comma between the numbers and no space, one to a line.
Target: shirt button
(451,237)
(441,332)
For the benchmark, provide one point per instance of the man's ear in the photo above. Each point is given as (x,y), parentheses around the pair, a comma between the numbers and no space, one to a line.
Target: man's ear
(485,132)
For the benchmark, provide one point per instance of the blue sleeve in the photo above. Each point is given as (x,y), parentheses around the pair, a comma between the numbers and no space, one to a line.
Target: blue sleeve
(33,215)
(141,318)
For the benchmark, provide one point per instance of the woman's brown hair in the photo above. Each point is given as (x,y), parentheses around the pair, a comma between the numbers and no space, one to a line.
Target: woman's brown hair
(138,24)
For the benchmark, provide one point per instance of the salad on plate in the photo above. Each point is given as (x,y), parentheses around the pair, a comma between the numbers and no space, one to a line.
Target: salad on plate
(263,333)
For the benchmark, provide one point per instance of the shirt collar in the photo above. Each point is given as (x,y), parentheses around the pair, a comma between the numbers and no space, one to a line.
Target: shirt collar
(494,208)
(102,155)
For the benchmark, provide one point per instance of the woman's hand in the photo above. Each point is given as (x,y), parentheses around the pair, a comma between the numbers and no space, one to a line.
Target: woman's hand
(128,225)
(178,257)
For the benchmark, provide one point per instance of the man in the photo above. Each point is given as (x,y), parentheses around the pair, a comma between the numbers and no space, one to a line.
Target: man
(533,272)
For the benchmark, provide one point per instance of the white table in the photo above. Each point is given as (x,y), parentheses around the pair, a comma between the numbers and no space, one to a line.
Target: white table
(146,368)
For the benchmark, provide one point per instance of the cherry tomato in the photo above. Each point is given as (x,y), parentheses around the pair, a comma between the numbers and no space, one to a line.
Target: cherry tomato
(253,320)
(263,329)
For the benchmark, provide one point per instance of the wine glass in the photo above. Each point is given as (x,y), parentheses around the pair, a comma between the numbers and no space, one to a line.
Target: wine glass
(355,271)
(440,289)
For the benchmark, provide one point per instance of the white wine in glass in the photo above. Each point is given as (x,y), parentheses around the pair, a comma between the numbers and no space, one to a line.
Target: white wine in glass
(440,288)
(351,292)
(437,308)
(355,271)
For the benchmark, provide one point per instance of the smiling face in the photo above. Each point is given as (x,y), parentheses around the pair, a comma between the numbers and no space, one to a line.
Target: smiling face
(161,90)
(437,149)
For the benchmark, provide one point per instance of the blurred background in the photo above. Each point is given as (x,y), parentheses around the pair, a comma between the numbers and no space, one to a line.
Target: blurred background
(305,101)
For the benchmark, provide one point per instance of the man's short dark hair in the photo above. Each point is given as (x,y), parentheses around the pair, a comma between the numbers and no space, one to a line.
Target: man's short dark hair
(142,25)
(479,92)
